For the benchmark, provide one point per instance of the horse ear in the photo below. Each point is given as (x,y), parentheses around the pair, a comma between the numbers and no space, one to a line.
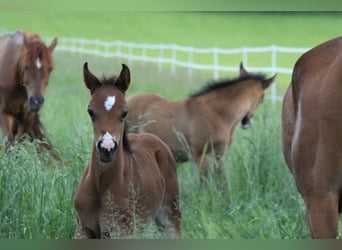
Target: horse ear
(53,44)
(243,71)
(267,82)
(91,81)
(124,78)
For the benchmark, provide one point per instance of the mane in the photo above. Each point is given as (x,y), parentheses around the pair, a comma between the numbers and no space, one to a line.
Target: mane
(125,142)
(216,85)
(36,48)
(106,81)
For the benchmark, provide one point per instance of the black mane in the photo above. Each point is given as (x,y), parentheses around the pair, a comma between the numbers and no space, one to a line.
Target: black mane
(215,85)
(126,144)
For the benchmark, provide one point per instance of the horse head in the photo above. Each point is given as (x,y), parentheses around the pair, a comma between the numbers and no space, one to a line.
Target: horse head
(258,96)
(37,64)
(107,109)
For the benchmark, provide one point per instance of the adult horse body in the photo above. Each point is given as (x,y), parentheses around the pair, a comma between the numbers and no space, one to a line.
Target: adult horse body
(25,66)
(312,135)
(129,176)
(206,120)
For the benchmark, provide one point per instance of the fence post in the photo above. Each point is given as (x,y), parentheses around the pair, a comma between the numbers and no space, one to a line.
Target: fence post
(190,63)
(144,52)
(173,66)
(130,55)
(274,69)
(118,50)
(216,63)
(245,57)
(160,58)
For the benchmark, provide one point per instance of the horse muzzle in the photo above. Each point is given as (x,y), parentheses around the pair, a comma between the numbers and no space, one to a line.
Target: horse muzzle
(35,102)
(106,148)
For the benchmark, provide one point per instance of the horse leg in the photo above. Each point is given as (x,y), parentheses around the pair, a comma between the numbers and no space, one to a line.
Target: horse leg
(322,213)
(8,127)
(168,219)
(32,126)
(210,161)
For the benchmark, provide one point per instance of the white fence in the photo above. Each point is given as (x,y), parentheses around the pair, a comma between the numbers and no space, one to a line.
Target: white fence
(168,54)
(180,56)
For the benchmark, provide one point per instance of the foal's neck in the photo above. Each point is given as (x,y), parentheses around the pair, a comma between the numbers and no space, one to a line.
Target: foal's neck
(106,173)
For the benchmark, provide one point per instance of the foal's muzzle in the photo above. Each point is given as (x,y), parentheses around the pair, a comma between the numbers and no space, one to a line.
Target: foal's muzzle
(106,149)
(35,102)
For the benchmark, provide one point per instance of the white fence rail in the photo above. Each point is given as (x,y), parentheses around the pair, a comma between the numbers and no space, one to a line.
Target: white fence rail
(180,56)
(168,54)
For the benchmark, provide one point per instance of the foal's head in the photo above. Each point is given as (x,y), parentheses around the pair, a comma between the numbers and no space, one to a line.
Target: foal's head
(107,109)
(256,96)
(37,64)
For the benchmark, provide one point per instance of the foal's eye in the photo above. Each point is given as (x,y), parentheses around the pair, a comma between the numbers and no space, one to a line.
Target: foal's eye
(91,114)
(124,114)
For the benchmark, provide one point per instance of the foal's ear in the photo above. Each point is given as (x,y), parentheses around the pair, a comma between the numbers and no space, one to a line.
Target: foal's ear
(124,79)
(91,81)
(53,44)
(243,71)
(267,82)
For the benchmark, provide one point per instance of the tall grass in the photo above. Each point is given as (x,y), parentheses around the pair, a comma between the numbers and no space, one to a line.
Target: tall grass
(259,200)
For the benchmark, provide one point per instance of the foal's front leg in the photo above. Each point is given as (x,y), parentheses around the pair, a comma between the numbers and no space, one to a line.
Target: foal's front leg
(210,161)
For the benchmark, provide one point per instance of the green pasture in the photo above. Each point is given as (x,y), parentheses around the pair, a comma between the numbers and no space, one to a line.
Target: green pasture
(259,201)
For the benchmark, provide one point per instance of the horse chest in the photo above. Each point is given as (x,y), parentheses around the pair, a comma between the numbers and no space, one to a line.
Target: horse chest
(12,102)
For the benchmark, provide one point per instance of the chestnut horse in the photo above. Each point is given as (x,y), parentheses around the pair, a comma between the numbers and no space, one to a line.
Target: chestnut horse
(205,121)
(25,67)
(312,135)
(129,177)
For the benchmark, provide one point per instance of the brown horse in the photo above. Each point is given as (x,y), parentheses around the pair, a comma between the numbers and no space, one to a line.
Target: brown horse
(311,134)
(25,67)
(205,121)
(129,176)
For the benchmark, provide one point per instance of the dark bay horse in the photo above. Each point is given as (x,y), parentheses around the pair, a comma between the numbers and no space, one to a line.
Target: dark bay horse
(129,177)
(206,120)
(25,67)
(312,134)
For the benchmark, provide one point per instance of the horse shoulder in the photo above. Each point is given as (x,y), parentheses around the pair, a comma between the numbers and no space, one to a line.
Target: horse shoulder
(86,193)
(9,53)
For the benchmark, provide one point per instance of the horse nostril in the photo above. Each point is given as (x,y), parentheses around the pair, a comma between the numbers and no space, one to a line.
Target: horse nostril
(36,100)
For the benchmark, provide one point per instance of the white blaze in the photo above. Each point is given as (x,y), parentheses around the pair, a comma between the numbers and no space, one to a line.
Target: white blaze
(109,103)
(107,142)
(38,63)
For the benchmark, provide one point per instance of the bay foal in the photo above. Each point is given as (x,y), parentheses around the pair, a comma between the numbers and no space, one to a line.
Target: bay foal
(130,178)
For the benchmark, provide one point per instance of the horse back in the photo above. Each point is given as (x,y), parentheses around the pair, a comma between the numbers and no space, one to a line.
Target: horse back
(139,110)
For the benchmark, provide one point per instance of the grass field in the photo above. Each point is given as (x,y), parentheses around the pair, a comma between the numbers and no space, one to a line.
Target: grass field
(260,200)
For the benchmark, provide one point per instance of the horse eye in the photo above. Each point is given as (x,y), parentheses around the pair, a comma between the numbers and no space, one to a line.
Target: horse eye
(26,67)
(124,114)
(91,114)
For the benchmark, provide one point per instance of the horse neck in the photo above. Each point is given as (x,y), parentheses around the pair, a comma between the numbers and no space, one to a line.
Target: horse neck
(106,173)
(229,101)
